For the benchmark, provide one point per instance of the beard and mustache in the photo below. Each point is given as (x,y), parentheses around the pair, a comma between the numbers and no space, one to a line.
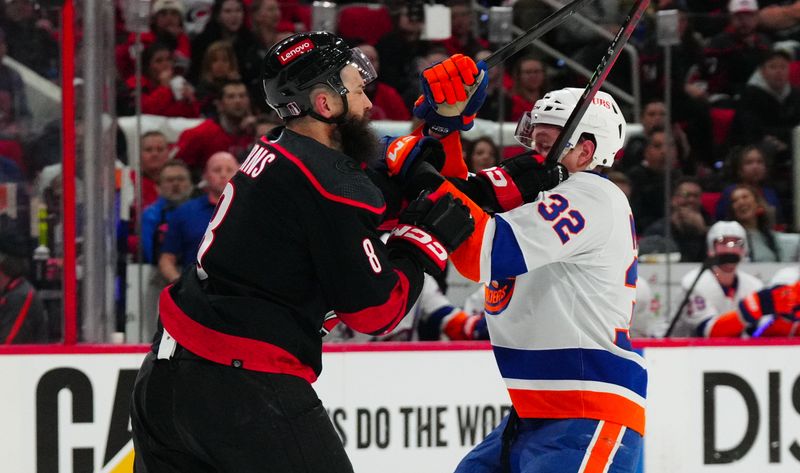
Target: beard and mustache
(357,140)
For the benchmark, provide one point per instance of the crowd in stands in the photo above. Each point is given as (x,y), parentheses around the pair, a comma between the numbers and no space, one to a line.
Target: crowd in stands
(728,148)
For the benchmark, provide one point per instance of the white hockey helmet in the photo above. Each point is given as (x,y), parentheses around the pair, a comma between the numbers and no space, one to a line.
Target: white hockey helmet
(726,229)
(603,119)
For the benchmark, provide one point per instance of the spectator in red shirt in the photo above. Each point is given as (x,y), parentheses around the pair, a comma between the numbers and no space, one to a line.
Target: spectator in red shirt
(530,84)
(387,104)
(163,92)
(462,21)
(231,131)
(166,26)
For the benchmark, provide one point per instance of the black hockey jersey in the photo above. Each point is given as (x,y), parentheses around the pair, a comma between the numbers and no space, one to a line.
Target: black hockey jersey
(293,237)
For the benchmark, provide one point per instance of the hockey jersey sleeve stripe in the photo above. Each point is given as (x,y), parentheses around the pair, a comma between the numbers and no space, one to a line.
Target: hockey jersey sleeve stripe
(572,364)
(580,405)
(507,259)
(467,257)
(381,319)
(227,349)
(314,182)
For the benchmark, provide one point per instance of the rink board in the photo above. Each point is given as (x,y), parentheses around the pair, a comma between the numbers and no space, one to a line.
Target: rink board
(722,407)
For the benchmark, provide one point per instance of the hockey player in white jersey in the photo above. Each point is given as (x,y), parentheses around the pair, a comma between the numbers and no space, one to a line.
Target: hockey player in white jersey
(721,287)
(561,273)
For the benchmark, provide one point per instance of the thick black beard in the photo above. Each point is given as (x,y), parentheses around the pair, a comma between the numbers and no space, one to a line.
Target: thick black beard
(358,140)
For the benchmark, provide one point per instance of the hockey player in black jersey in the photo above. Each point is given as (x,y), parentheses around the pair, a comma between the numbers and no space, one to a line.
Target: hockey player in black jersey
(227,386)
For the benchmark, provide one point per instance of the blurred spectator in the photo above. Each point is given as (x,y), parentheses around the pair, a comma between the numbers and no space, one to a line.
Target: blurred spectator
(748,165)
(462,26)
(230,131)
(647,198)
(654,115)
(688,221)
(690,108)
(621,181)
(31,39)
(721,287)
(530,84)
(387,104)
(648,321)
(22,315)
(769,108)
(733,55)
(166,27)
(155,153)
(219,67)
(15,117)
(491,109)
(751,210)
(780,16)
(399,51)
(174,188)
(187,224)
(227,23)
(709,17)
(265,122)
(163,91)
(482,153)
(265,17)
(435,53)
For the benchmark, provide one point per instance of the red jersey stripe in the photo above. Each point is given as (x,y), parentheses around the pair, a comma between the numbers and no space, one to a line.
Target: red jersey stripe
(23,313)
(314,182)
(380,319)
(222,348)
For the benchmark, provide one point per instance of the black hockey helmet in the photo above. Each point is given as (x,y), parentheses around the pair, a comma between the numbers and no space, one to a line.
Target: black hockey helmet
(298,63)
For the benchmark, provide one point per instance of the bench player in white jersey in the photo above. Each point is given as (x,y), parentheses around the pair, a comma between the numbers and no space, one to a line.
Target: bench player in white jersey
(566,268)
(721,287)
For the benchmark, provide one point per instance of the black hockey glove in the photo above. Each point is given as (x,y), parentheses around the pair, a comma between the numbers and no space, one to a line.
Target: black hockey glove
(520,179)
(432,226)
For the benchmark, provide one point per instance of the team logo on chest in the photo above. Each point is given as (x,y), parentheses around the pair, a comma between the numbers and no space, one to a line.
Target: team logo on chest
(497,295)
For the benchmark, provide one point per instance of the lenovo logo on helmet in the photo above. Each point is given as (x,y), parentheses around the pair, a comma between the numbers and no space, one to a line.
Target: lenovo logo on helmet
(294,51)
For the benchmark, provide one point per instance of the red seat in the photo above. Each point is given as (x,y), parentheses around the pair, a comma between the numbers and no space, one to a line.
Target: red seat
(367,23)
(721,120)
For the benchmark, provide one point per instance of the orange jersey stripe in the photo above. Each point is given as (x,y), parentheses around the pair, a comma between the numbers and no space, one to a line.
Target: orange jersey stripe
(578,405)
(726,325)
(600,455)
(467,257)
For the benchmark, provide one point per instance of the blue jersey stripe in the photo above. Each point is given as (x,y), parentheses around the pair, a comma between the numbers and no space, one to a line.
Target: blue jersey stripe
(507,259)
(571,364)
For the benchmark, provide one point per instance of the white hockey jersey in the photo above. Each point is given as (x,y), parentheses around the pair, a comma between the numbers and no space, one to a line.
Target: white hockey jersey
(709,300)
(561,274)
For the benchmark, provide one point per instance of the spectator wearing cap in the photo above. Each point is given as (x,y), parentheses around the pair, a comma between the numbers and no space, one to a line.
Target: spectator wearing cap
(688,221)
(164,92)
(22,315)
(231,130)
(720,288)
(733,55)
(31,39)
(166,27)
(769,108)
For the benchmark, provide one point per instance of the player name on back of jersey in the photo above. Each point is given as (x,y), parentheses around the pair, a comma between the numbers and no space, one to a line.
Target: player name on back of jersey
(258,158)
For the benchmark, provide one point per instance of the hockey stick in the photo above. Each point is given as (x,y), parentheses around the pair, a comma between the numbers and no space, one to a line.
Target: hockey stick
(535,32)
(597,79)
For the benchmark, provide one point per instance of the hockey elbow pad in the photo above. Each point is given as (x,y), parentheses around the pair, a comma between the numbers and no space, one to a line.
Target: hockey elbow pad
(432,226)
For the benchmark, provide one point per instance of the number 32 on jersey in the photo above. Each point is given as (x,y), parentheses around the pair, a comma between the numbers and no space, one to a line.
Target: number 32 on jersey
(566,221)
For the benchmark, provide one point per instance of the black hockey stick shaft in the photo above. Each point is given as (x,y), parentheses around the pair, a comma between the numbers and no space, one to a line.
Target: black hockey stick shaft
(672,323)
(535,32)
(597,79)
